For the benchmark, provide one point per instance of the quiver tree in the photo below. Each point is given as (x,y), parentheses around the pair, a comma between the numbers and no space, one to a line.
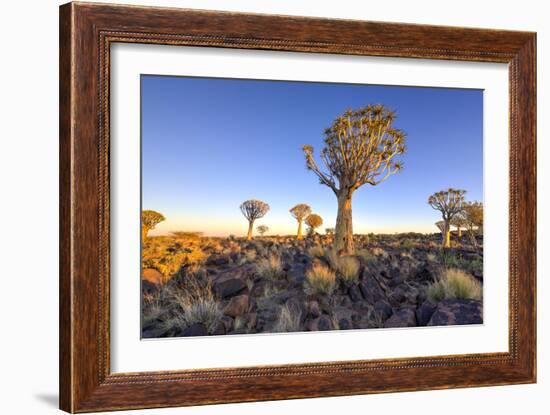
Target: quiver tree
(459,222)
(361,147)
(313,221)
(252,210)
(300,212)
(449,202)
(441,226)
(262,229)
(149,219)
(473,217)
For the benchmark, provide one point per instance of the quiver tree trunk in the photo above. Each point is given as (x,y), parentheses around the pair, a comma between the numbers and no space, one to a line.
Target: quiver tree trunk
(459,233)
(250,229)
(343,234)
(299,235)
(144,232)
(446,235)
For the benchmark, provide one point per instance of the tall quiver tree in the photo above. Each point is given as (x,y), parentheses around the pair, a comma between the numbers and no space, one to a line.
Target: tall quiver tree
(300,212)
(149,219)
(252,210)
(449,202)
(361,147)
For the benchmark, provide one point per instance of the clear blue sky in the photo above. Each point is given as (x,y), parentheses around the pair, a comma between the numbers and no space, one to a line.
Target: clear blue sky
(209,144)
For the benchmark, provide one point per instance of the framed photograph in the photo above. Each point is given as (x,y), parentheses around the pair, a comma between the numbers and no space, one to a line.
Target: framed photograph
(260,207)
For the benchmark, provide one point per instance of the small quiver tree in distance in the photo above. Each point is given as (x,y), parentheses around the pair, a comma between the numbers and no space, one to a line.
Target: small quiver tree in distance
(473,217)
(459,222)
(313,221)
(252,210)
(300,212)
(149,219)
(361,147)
(262,229)
(449,202)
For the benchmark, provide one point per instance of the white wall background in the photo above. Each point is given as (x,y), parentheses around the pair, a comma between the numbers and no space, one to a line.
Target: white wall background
(29,169)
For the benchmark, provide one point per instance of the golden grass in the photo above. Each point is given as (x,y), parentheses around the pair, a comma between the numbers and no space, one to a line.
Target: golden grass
(287,321)
(320,280)
(198,304)
(348,268)
(270,267)
(455,283)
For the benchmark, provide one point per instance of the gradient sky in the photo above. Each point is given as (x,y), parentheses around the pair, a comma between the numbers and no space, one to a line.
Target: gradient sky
(209,144)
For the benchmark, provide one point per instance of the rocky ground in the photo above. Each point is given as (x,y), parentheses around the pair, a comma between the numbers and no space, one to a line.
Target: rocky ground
(195,286)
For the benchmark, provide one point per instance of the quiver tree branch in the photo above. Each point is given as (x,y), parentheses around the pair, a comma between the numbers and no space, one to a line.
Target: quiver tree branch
(252,210)
(361,147)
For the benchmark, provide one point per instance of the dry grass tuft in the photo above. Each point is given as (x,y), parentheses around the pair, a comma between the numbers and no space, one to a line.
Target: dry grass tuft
(316,251)
(320,280)
(348,268)
(271,267)
(288,320)
(455,283)
(196,299)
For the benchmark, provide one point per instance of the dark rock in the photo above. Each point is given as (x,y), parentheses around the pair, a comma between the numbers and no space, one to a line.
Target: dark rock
(424,274)
(346,302)
(226,288)
(219,330)
(227,323)
(404,317)
(397,296)
(354,293)
(148,287)
(383,309)
(218,260)
(322,323)
(237,306)
(344,324)
(252,321)
(424,313)
(196,329)
(313,309)
(457,312)
(371,290)
(296,274)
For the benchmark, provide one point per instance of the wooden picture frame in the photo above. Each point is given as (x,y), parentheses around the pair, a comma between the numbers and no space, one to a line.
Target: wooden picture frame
(86,33)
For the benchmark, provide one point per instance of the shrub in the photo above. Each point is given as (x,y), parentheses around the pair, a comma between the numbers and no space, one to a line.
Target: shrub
(287,321)
(270,268)
(198,304)
(316,251)
(348,267)
(455,283)
(366,255)
(320,280)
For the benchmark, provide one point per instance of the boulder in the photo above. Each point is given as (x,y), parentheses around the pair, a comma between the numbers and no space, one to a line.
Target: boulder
(457,312)
(152,276)
(218,260)
(424,313)
(383,309)
(371,290)
(296,274)
(404,317)
(313,309)
(196,329)
(322,323)
(237,306)
(229,287)
(354,293)
(345,324)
